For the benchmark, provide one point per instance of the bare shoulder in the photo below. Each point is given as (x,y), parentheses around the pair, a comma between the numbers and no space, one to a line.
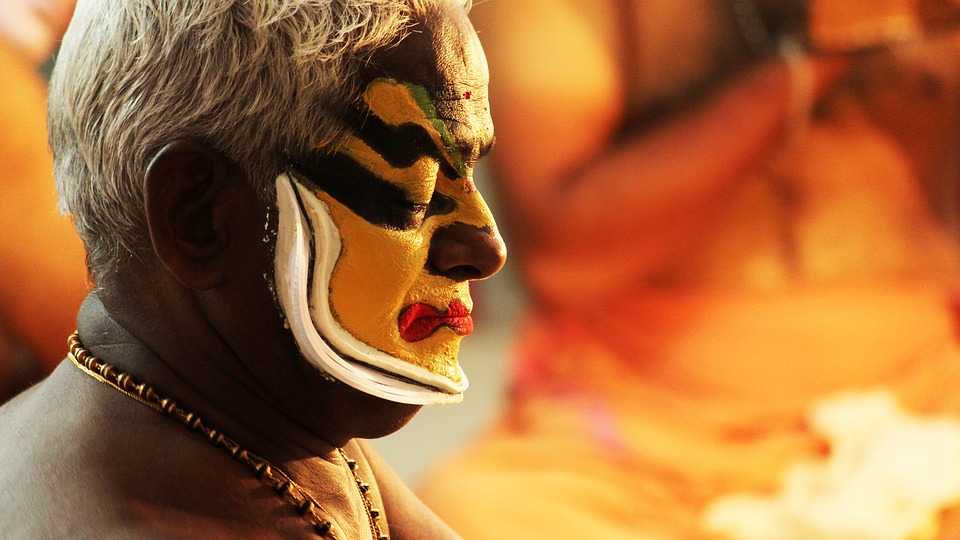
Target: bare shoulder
(80,462)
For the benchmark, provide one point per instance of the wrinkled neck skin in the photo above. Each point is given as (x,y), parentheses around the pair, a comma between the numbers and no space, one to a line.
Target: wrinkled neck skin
(265,397)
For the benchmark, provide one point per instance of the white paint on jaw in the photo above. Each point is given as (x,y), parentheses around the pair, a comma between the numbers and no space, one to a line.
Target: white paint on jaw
(317,332)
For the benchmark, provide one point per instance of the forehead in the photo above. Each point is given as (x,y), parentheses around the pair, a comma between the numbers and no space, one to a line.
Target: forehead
(443,55)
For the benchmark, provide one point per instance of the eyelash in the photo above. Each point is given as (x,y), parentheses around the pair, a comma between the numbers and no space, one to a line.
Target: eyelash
(430,191)
(417,208)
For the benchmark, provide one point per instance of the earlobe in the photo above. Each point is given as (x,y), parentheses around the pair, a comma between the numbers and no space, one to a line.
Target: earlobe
(185,191)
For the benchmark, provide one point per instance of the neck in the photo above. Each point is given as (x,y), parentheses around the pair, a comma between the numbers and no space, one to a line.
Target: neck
(263,395)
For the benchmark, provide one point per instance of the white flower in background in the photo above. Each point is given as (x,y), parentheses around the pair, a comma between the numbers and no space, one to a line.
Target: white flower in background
(888,477)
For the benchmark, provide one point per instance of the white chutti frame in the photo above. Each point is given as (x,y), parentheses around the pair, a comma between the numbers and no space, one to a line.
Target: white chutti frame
(309,329)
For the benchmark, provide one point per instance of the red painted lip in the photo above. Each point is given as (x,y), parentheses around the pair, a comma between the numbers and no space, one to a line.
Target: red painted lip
(419,321)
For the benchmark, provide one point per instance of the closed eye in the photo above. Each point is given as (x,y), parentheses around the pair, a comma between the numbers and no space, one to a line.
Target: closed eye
(375,200)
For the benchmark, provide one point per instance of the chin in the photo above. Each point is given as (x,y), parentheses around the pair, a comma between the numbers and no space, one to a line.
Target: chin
(381,417)
(302,277)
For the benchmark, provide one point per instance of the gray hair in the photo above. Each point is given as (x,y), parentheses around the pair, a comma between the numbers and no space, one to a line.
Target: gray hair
(254,79)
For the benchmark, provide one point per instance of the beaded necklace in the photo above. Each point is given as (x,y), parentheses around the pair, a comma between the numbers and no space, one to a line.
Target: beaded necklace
(271,475)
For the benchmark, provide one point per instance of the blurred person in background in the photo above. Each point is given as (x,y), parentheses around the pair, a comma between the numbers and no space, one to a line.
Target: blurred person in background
(42,274)
(737,221)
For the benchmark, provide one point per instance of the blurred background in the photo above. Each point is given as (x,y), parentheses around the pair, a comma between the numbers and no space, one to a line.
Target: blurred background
(439,430)
(42,270)
(731,304)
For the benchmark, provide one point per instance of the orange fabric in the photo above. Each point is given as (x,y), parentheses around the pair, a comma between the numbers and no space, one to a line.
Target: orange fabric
(852,25)
(588,444)
(823,269)
(42,270)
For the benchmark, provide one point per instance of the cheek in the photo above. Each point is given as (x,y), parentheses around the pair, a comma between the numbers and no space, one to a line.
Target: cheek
(376,269)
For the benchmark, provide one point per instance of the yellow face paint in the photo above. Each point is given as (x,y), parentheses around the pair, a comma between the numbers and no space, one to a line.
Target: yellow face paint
(380,232)
(368,301)
(382,271)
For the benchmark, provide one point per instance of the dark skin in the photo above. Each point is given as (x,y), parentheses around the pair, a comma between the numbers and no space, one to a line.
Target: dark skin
(212,337)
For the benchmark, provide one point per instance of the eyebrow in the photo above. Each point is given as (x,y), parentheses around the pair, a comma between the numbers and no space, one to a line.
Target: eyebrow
(467,149)
(370,197)
(400,145)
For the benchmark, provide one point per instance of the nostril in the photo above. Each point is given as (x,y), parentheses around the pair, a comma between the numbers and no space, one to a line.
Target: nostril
(463,272)
(464,252)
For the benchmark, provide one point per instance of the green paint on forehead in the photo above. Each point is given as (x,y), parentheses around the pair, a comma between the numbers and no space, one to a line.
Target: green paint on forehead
(424,101)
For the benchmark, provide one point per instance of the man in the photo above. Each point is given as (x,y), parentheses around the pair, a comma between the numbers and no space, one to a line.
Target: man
(277,206)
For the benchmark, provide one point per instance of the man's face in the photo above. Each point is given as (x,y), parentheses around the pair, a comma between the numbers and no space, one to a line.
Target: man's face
(399,191)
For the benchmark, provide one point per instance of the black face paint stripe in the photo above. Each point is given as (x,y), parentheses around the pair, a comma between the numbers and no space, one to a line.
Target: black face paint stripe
(370,197)
(400,146)
(440,205)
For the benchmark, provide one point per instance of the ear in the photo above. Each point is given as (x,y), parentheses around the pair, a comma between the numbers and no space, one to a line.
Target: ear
(186,195)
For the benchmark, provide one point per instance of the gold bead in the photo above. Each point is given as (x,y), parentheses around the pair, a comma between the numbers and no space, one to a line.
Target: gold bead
(305,507)
(262,469)
(128,383)
(168,405)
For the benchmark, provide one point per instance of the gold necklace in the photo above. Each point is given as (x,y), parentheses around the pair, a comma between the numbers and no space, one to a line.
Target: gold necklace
(272,476)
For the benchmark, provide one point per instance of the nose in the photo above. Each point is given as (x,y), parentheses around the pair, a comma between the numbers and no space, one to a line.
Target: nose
(464,252)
